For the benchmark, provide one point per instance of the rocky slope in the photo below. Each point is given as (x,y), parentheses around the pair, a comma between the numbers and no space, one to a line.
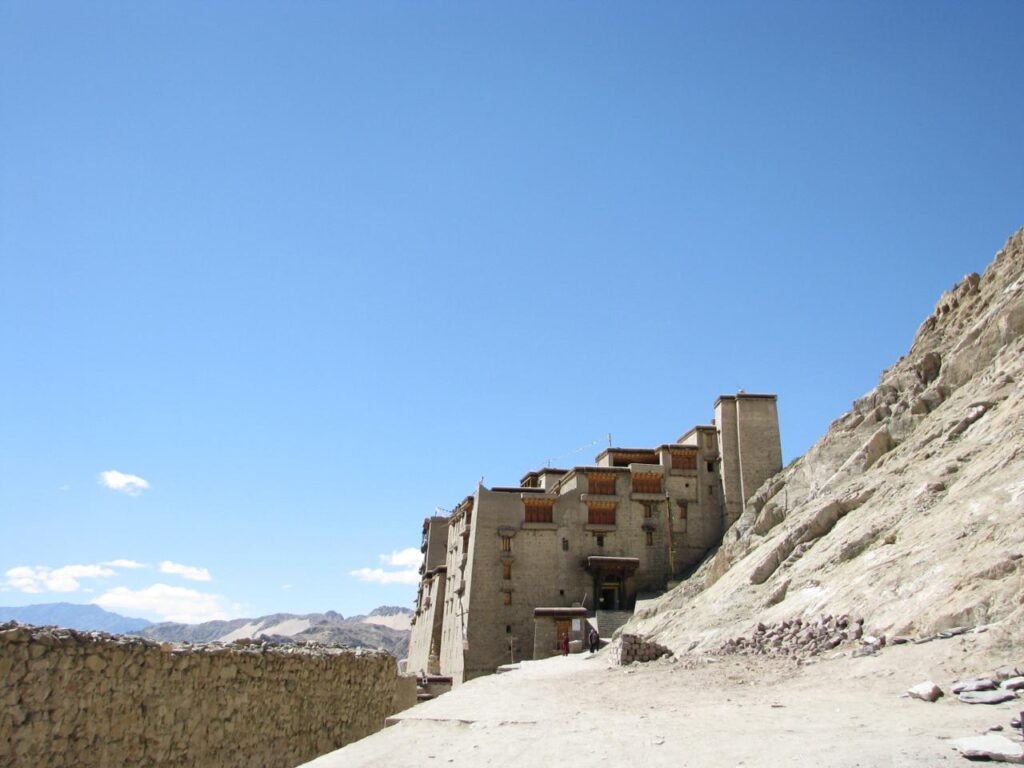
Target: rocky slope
(329,628)
(908,513)
(73,616)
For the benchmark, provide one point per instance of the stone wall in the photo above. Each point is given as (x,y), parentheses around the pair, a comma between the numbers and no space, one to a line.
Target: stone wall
(92,699)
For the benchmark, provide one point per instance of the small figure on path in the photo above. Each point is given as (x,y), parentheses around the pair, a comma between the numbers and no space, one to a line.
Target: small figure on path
(593,640)
(565,645)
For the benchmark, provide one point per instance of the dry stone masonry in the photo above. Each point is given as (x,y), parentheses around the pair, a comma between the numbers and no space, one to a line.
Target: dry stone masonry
(93,699)
(637,648)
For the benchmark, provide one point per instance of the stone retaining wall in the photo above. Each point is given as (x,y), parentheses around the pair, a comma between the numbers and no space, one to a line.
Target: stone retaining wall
(92,699)
(638,648)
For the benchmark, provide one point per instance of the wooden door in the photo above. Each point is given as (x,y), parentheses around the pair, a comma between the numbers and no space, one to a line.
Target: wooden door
(561,630)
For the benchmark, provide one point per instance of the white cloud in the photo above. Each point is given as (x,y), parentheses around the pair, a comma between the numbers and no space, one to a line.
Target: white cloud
(124,564)
(41,578)
(132,485)
(380,576)
(409,558)
(168,603)
(189,572)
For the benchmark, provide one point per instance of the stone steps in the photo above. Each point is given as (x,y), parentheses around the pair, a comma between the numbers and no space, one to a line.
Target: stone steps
(609,621)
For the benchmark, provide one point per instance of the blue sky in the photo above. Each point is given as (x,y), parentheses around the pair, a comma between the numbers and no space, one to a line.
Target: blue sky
(299,273)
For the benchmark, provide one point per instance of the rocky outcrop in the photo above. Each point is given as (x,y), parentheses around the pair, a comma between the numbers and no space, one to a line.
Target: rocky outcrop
(907,511)
(92,699)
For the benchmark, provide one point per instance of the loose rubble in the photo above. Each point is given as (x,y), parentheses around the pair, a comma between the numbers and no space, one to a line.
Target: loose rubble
(800,638)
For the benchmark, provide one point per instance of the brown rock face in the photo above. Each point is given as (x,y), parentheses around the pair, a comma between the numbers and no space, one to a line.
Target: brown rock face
(907,511)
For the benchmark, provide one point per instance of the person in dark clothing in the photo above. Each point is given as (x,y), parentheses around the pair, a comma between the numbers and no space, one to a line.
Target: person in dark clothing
(593,640)
(565,645)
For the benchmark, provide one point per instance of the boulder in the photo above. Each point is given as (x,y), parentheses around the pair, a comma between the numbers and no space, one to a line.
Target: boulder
(974,684)
(990,747)
(926,691)
(986,697)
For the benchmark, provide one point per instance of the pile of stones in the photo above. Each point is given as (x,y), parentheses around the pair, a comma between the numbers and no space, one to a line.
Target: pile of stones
(637,648)
(1004,684)
(801,637)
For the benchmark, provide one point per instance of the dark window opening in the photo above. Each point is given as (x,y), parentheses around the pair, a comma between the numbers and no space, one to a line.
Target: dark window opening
(601,513)
(711,466)
(650,538)
(565,545)
(540,510)
(600,541)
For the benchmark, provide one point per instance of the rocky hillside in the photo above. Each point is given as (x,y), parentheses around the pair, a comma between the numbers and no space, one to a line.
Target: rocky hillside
(329,628)
(73,616)
(908,513)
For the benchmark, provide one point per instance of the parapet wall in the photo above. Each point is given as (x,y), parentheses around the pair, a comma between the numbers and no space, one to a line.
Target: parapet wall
(92,699)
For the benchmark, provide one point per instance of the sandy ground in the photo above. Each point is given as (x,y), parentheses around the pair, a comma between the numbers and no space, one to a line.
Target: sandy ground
(729,711)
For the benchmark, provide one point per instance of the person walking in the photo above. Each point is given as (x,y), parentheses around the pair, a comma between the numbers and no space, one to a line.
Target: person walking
(593,640)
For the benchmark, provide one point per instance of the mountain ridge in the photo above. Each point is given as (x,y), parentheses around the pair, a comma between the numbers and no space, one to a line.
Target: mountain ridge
(84,616)
(328,628)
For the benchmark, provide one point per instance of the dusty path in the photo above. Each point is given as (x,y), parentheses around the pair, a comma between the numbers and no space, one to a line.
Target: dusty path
(731,712)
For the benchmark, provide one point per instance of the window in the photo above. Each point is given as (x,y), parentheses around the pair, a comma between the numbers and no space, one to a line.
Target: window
(647,482)
(539,510)
(600,541)
(682,508)
(600,483)
(565,545)
(711,491)
(506,569)
(711,466)
(684,459)
(506,543)
(506,598)
(650,538)
(601,512)
(508,627)
(648,510)
(561,593)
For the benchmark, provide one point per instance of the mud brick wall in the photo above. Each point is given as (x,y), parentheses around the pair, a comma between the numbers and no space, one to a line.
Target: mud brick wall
(91,699)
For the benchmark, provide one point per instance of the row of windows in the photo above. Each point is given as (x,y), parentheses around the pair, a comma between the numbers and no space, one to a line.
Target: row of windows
(506,546)
(598,512)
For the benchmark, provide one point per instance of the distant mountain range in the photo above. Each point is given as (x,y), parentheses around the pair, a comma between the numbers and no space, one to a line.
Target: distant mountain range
(386,627)
(74,616)
(377,630)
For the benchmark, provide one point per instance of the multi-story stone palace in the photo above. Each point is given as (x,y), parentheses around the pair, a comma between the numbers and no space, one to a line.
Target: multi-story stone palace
(511,571)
